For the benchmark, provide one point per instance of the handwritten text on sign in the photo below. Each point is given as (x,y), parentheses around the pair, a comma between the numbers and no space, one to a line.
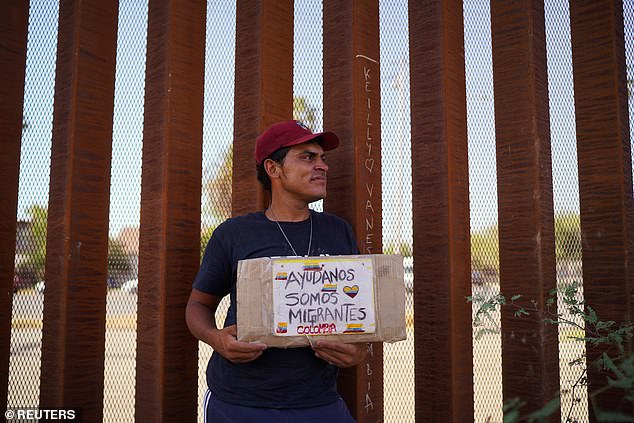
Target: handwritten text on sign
(323,296)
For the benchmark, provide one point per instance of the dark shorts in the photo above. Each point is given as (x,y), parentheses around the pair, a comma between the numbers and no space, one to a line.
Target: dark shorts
(217,411)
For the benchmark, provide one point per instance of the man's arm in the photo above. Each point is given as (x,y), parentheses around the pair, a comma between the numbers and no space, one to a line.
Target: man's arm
(201,321)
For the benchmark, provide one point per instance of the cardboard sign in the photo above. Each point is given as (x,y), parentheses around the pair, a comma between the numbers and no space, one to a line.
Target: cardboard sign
(326,296)
(295,301)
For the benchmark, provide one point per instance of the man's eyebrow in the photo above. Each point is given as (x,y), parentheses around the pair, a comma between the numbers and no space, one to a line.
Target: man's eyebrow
(312,152)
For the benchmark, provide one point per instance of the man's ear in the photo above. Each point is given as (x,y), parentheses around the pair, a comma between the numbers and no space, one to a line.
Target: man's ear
(272,168)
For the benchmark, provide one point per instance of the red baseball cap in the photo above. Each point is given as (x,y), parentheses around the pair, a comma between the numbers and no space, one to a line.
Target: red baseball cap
(287,134)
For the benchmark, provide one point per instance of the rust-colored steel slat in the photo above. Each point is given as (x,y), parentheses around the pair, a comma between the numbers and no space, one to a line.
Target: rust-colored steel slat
(530,361)
(605,175)
(352,100)
(73,334)
(263,89)
(14,17)
(440,192)
(167,358)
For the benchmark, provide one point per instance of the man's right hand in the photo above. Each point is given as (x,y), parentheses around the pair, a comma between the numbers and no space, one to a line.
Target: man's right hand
(201,320)
(228,346)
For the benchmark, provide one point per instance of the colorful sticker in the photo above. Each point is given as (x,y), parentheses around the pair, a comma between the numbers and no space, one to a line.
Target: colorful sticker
(354,328)
(329,287)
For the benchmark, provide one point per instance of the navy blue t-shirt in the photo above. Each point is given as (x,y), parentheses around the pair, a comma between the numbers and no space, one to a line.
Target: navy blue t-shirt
(279,378)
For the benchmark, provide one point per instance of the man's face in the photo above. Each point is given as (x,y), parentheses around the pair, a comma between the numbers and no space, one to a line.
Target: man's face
(302,174)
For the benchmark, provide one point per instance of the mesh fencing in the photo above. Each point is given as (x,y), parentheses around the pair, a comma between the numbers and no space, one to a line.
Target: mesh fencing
(566,205)
(125,204)
(217,146)
(485,247)
(628,24)
(28,298)
(308,75)
(485,264)
(396,180)
(24,366)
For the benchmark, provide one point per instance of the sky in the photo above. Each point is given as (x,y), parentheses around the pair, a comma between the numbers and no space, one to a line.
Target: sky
(308,77)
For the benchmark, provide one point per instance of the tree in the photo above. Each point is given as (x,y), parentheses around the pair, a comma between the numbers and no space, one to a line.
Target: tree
(33,239)
(216,195)
(32,266)
(485,249)
(402,248)
(305,112)
(567,237)
(217,190)
(204,239)
(119,263)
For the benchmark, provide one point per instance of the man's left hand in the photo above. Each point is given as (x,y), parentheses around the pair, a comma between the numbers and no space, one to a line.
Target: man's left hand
(341,354)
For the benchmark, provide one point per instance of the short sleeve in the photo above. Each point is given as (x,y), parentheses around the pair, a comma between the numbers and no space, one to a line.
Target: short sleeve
(352,239)
(214,275)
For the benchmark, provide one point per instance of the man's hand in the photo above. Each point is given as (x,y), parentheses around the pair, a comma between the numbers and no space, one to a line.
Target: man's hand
(340,354)
(228,346)
(201,320)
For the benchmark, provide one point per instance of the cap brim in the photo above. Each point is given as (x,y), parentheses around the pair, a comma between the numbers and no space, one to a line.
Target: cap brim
(329,140)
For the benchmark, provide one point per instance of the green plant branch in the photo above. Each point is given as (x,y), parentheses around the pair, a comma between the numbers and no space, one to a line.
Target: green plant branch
(581,380)
(615,360)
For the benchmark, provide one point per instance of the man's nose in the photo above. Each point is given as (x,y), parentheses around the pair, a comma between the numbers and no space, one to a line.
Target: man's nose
(321,164)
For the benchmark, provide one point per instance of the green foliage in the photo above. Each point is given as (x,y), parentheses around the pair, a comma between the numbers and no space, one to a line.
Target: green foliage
(513,414)
(616,361)
(118,259)
(485,249)
(35,234)
(217,183)
(567,237)
(402,248)
(612,416)
(216,191)
(304,112)
(34,264)
(217,199)
(204,239)
(511,410)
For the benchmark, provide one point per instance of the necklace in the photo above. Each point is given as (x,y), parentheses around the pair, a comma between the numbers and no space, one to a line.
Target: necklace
(310,239)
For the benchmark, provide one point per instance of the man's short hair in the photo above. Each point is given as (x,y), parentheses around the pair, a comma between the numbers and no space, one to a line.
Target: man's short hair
(277,156)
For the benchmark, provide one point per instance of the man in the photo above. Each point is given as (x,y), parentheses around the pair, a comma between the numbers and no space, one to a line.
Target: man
(247,381)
